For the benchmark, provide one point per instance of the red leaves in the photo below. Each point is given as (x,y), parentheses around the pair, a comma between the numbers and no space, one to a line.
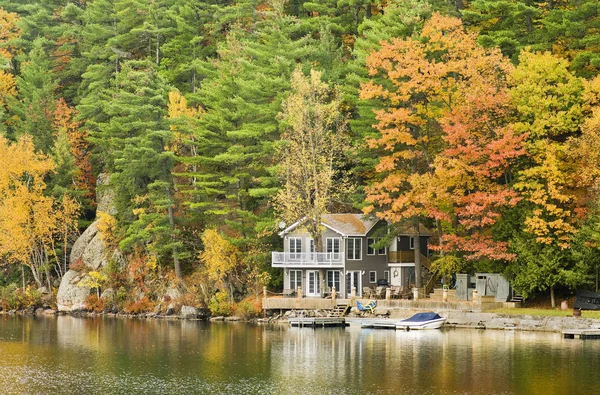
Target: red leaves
(445,135)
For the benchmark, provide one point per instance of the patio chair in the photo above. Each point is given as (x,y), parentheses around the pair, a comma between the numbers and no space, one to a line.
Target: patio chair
(367,292)
(370,307)
(396,292)
(380,292)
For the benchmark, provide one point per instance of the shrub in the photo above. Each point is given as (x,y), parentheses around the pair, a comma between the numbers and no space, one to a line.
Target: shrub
(249,308)
(93,303)
(219,304)
(14,298)
(143,305)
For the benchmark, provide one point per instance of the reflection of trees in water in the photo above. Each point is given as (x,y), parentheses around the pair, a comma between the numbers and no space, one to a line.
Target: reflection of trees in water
(105,353)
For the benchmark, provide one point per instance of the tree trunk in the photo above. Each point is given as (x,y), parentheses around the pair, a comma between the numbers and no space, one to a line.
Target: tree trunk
(417,245)
(174,250)
(552,300)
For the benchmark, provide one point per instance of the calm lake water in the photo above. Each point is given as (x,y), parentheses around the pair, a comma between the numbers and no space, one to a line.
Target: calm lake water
(107,355)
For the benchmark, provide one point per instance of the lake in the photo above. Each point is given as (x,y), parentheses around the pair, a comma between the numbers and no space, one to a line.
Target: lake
(113,355)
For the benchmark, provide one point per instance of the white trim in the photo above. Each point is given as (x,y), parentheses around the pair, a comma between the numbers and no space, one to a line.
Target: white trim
(373,281)
(348,249)
(373,242)
(317,283)
(401,264)
(290,278)
(296,239)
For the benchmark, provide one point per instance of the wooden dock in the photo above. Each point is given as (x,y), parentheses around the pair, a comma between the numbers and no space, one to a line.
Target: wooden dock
(318,322)
(379,325)
(582,334)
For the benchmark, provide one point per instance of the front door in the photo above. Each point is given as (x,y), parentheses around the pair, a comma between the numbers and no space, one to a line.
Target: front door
(313,281)
(354,280)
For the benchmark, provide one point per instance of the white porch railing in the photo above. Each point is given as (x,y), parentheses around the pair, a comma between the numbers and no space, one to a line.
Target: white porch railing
(307,259)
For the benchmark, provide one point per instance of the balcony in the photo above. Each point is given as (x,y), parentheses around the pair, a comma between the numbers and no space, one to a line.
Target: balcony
(307,259)
(401,256)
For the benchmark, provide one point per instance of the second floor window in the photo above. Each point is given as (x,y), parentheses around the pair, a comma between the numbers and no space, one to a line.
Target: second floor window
(354,250)
(295,246)
(370,249)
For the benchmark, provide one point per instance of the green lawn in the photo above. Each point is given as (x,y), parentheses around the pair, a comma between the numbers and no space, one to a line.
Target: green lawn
(546,312)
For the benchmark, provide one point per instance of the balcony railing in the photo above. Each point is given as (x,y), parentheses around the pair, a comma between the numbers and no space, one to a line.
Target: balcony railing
(401,256)
(307,259)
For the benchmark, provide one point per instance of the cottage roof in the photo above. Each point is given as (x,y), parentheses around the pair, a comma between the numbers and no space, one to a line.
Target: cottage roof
(408,230)
(344,224)
(350,224)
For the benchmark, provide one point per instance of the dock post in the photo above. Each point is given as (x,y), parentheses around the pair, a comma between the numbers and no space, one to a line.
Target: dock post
(445,295)
(388,293)
(415,293)
(265,292)
(353,296)
(299,292)
(333,295)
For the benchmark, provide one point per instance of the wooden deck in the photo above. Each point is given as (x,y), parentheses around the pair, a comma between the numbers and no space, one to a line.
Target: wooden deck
(316,322)
(582,334)
(379,325)
(382,304)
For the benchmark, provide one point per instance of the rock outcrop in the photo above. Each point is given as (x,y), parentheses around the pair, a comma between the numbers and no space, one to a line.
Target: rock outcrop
(88,252)
(71,297)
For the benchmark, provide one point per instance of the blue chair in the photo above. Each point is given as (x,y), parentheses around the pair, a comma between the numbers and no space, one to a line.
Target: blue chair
(370,307)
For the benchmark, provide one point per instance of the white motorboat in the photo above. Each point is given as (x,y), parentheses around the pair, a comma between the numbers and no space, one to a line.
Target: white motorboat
(421,321)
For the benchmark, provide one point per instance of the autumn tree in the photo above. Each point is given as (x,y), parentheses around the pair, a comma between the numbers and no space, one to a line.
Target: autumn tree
(30,222)
(551,110)
(446,146)
(312,147)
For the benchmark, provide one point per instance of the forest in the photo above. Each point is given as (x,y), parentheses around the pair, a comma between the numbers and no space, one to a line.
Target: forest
(214,121)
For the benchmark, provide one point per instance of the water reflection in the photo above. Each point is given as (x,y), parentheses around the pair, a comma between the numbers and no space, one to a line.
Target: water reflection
(67,355)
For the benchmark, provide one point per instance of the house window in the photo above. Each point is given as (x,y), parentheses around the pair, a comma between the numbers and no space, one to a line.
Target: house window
(370,249)
(295,247)
(372,276)
(411,243)
(354,251)
(333,248)
(295,279)
(312,245)
(334,280)
(386,275)
(381,251)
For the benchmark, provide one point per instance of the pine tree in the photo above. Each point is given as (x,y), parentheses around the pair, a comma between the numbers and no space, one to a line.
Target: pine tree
(133,141)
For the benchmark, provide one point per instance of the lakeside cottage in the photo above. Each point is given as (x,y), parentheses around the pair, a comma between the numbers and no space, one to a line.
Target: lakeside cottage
(349,258)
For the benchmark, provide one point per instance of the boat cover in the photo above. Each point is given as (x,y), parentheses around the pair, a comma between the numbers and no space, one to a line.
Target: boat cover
(587,300)
(422,317)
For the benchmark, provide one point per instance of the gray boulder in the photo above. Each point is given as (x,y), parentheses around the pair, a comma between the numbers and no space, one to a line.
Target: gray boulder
(189,312)
(105,196)
(71,296)
(89,249)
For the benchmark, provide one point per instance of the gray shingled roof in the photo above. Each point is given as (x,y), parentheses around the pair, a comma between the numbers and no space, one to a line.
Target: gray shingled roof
(350,224)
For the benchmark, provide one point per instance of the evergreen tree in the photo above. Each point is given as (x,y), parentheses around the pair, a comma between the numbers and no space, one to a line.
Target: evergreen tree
(133,141)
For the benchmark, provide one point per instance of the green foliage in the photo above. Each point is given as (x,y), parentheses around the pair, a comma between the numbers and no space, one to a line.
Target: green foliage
(220,304)
(214,163)
(14,298)
(448,265)
(248,308)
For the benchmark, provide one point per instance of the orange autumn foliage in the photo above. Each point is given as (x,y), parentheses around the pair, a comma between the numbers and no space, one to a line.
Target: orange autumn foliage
(64,120)
(444,137)
(8,31)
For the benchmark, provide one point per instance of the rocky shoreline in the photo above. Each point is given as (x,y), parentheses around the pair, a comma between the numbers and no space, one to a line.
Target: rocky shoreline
(455,319)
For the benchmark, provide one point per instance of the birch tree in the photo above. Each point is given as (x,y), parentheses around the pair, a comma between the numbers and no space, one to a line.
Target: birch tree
(311,153)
